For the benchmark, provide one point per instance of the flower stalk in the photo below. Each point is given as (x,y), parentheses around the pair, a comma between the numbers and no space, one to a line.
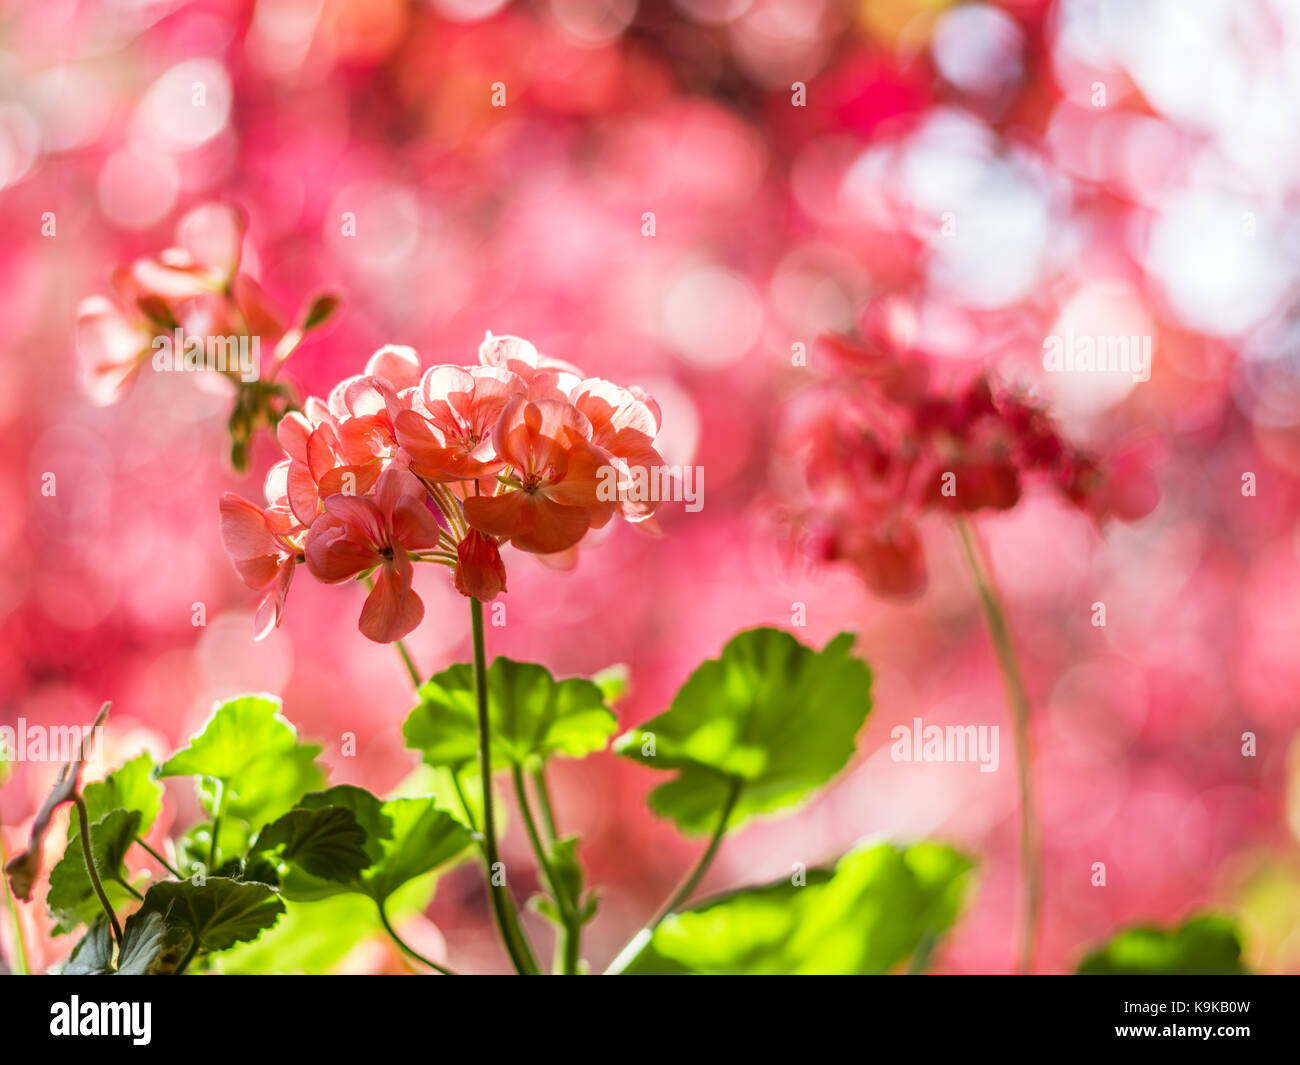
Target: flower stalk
(1018,701)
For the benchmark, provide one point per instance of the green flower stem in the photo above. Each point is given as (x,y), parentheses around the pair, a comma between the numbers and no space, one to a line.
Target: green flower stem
(122,883)
(213,852)
(20,948)
(571,927)
(502,905)
(1018,699)
(544,802)
(409,662)
(87,852)
(159,858)
(392,934)
(464,802)
(683,892)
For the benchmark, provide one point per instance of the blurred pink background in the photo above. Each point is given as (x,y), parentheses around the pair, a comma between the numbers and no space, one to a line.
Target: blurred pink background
(1166,209)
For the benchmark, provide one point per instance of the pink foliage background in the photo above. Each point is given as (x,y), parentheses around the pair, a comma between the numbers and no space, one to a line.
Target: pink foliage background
(1168,211)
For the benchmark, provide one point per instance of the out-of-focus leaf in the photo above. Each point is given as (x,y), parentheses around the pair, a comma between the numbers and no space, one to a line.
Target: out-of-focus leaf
(866,916)
(24,868)
(612,682)
(71,891)
(326,842)
(531,715)
(254,752)
(217,914)
(1207,945)
(321,311)
(770,720)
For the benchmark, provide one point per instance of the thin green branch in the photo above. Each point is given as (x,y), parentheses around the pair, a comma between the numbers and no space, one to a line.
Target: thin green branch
(88,853)
(684,890)
(159,858)
(571,928)
(1018,699)
(392,934)
(502,905)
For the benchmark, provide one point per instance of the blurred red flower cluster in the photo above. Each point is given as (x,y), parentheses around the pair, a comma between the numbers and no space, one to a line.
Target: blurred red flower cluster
(882,444)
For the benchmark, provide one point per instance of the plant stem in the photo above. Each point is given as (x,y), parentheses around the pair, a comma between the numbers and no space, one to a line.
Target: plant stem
(544,801)
(392,934)
(122,883)
(571,930)
(189,957)
(1018,700)
(20,948)
(464,803)
(502,905)
(216,826)
(409,662)
(683,892)
(159,858)
(87,852)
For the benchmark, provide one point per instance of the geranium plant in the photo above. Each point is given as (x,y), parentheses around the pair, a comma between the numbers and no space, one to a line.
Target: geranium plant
(457,466)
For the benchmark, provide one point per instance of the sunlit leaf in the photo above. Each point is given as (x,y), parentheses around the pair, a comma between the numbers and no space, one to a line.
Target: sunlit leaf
(254,752)
(71,896)
(405,838)
(865,916)
(767,722)
(131,786)
(532,716)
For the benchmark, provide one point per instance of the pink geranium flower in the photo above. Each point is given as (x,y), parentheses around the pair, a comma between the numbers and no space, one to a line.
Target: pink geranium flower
(552,488)
(355,535)
(448,431)
(479,573)
(258,542)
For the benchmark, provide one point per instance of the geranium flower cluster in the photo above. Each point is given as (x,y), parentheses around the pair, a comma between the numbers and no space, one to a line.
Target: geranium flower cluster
(446,466)
(881,445)
(176,303)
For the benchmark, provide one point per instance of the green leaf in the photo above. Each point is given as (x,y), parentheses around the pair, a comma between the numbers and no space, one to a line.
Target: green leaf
(131,786)
(865,917)
(93,956)
(405,838)
(142,942)
(71,896)
(320,312)
(317,937)
(216,914)
(532,716)
(143,936)
(254,752)
(770,718)
(1207,945)
(328,842)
